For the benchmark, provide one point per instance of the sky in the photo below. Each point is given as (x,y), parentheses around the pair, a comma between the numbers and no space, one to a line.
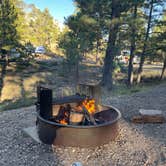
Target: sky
(58,8)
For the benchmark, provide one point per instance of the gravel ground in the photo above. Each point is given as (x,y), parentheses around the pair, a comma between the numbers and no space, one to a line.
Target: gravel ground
(136,145)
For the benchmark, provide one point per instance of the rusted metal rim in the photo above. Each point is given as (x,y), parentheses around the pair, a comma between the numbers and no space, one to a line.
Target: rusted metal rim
(89,126)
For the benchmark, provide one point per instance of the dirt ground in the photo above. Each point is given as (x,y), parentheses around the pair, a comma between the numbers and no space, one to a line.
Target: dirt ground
(136,145)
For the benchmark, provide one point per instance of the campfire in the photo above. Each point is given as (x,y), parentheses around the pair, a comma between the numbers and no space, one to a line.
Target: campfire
(80,113)
(76,120)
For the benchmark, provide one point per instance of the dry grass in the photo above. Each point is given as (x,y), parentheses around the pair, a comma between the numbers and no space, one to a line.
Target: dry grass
(20,83)
(30,84)
(151,74)
(11,89)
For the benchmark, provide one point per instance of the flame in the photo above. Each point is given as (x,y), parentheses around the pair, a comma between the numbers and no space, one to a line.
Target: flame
(63,121)
(90,105)
(64,114)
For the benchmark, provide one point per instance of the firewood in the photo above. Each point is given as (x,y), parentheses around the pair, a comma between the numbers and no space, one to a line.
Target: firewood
(148,119)
(64,113)
(89,116)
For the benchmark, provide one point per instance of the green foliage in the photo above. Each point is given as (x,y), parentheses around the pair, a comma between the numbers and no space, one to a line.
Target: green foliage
(83,28)
(43,30)
(26,53)
(80,39)
(70,45)
(156,50)
(36,26)
(119,67)
(21,21)
(8,32)
(90,29)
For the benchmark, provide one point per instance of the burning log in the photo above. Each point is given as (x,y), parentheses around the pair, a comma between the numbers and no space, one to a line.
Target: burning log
(80,112)
(76,117)
(89,116)
(63,114)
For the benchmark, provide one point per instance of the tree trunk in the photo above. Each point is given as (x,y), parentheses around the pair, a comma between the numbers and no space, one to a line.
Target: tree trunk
(3,73)
(97,51)
(107,79)
(132,49)
(77,72)
(163,69)
(145,43)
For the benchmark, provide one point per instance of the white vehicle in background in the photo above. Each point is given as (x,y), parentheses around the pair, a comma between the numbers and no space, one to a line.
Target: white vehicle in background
(40,50)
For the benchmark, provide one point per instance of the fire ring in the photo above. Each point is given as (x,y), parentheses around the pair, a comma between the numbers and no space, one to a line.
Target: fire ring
(51,132)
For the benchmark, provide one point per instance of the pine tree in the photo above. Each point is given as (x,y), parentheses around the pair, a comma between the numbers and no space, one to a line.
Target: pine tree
(159,40)
(109,13)
(153,6)
(21,21)
(135,23)
(43,29)
(8,32)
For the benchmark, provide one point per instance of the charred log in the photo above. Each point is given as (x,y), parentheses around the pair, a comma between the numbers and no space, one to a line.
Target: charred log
(88,116)
(64,114)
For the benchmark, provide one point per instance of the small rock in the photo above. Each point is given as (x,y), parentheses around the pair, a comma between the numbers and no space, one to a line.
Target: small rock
(76,164)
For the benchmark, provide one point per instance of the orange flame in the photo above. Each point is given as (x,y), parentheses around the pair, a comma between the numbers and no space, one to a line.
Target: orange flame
(63,121)
(89,105)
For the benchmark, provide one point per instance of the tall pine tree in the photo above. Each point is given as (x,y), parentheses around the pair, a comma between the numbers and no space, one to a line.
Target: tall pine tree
(109,12)
(154,7)
(8,32)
